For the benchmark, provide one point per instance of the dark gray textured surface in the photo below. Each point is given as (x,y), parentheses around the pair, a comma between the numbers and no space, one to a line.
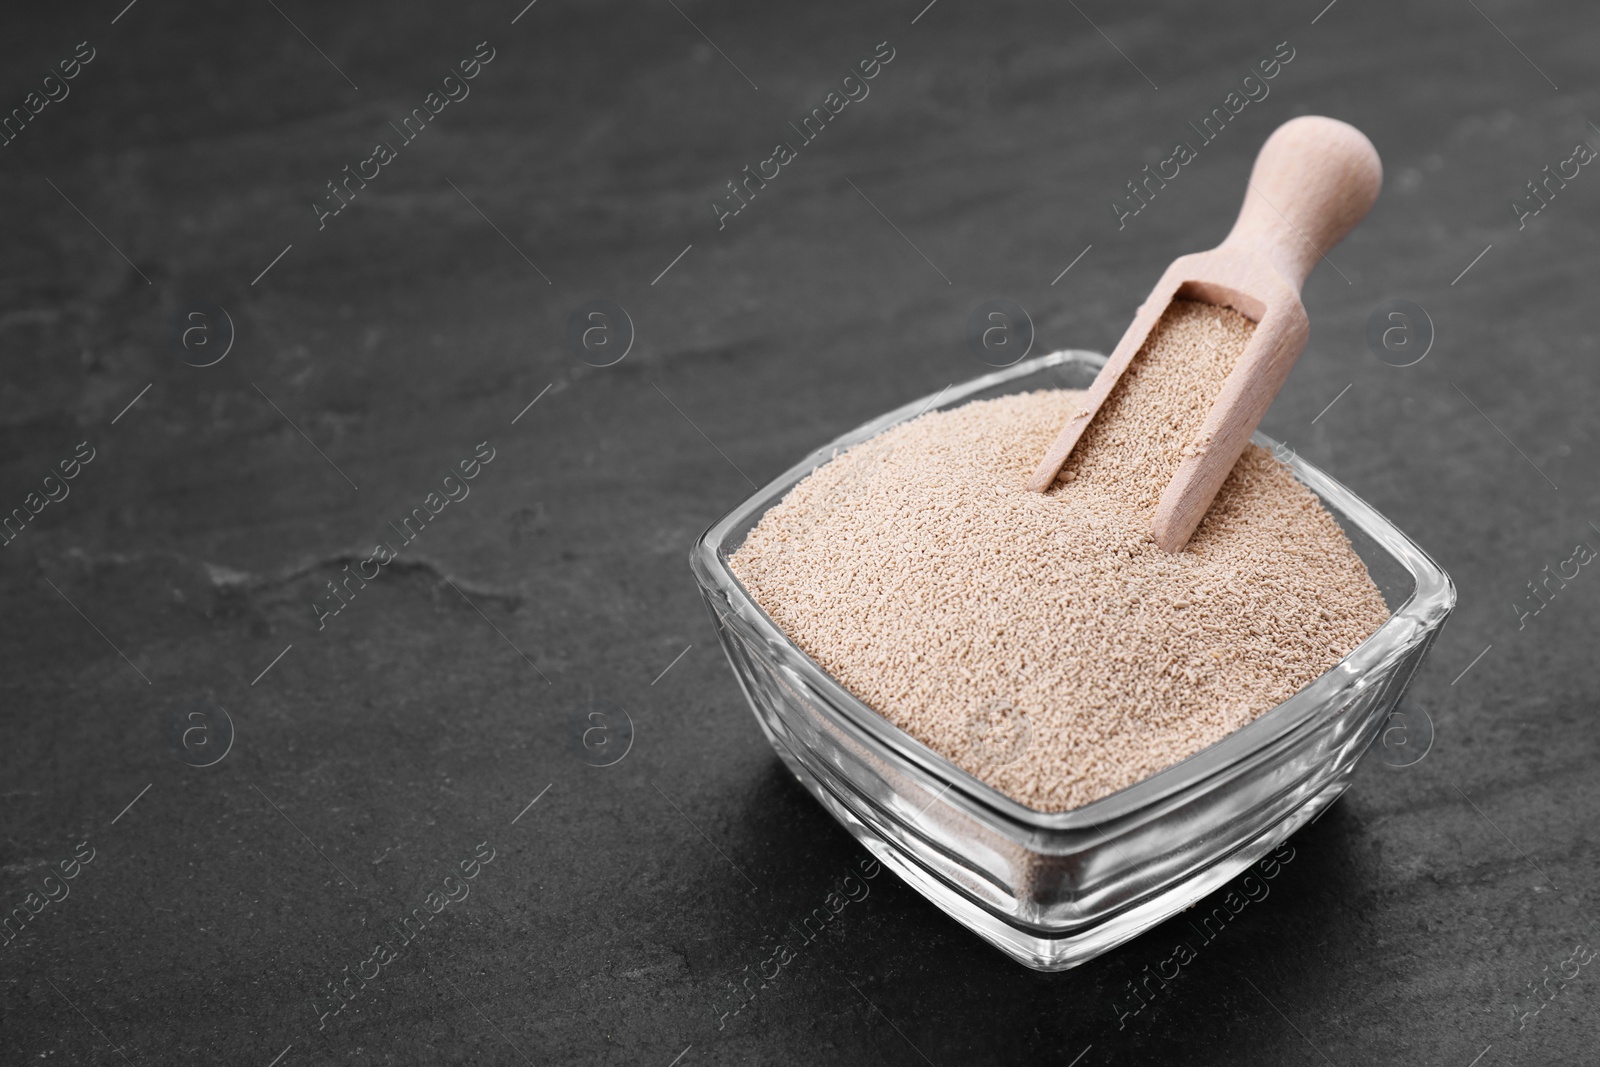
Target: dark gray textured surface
(618,908)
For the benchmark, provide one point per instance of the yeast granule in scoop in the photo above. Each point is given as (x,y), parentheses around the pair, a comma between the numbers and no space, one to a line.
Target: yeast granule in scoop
(1042,641)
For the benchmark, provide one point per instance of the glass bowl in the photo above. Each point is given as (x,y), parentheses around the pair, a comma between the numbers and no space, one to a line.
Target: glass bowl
(1053,890)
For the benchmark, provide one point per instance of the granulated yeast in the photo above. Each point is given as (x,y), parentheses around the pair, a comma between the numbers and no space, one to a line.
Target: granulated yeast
(1042,641)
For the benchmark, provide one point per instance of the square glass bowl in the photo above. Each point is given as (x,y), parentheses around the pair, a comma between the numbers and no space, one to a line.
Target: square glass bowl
(1055,890)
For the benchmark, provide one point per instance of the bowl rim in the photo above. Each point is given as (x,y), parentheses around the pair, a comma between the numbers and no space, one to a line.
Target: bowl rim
(1412,622)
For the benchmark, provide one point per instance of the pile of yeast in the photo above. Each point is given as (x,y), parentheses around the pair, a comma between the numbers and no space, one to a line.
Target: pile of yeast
(1042,641)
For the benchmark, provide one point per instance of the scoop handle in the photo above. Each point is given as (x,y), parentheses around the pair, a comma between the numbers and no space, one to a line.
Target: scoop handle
(1313,180)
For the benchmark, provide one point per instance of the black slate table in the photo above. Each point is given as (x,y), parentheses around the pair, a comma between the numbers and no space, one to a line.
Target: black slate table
(258,342)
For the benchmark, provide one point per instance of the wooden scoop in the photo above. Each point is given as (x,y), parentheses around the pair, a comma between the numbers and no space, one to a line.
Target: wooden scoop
(1313,181)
